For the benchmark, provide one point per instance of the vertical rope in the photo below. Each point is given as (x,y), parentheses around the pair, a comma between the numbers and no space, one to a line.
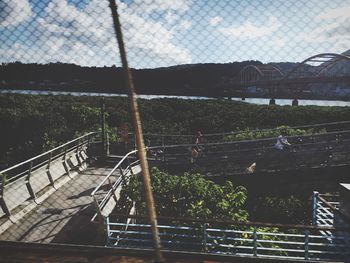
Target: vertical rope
(138,132)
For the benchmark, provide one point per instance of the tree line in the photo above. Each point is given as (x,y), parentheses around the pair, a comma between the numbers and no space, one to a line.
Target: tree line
(32,124)
(196,79)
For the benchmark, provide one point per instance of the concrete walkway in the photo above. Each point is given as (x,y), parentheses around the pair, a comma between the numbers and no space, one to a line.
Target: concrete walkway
(64,217)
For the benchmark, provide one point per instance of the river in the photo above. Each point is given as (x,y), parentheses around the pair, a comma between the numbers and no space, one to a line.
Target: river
(149,97)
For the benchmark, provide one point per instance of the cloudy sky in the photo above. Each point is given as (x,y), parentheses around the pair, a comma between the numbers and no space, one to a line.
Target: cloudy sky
(167,32)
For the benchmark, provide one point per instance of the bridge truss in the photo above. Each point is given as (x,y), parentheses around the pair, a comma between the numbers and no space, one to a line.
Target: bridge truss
(322,76)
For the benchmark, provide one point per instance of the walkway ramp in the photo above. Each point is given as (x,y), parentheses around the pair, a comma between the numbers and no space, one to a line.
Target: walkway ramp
(63,215)
(47,198)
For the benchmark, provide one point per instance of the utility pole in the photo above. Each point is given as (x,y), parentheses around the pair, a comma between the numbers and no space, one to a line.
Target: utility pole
(138,132)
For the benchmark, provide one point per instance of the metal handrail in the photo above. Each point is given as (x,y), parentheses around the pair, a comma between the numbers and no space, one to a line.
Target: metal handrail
(45,153)
(238,132)
(100,204)
(247,141)
(330,205)
(233,222)
(29,177)
(238,238)
(111,172)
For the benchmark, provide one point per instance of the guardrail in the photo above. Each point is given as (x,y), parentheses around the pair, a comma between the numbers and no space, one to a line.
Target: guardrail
(306,151)
(233,238)
(106,194)
(323,211)
(153,139)
(36,178)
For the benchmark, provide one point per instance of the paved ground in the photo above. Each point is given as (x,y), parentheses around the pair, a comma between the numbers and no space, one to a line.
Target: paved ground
(64,217)
(53,253)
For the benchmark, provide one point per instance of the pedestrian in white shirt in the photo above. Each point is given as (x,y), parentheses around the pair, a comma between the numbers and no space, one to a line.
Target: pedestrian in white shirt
(282,141)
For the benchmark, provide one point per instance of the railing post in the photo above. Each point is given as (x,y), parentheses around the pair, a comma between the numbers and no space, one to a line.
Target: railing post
(255,239)
(204,243)
(29,186)
(77,150)
(135,145)
(2,192)
(64,161)
(306,244)
(106,221)
(121,171)
(98,209)
(89,141)
(113,190)
(314,207)
(86,149)
(107,144)
(48,172)
(103,127)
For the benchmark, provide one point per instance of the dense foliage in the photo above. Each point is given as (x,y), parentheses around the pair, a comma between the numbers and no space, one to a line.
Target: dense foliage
(32,124)
(189,195)
(260,134)
(290,210)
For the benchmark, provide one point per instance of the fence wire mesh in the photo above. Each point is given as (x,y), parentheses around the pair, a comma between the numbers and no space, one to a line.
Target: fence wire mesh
(208,53)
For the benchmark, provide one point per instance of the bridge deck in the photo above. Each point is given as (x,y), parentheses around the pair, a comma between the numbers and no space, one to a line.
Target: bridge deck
(64,216)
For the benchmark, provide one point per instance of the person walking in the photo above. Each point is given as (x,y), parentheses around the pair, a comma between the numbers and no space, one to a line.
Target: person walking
(282,142)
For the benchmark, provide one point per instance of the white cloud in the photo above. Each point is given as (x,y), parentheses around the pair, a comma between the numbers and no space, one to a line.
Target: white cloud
(14,12)
(214,21)
(249,30)
(336,13)
(170,17)
(280,42)
(184,25)
(151,37)
(86,36)
(159,5)
(333,29)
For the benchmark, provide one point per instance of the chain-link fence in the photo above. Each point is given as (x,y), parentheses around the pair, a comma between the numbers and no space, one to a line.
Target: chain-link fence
(66,136)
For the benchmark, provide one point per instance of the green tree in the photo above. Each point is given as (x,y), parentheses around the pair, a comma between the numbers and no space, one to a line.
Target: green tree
(189,195)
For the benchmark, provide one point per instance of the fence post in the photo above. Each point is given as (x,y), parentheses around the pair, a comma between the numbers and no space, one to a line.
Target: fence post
(29,186)
(107,144)
(77,150)
(135,146)
(103,127)
(106,221)
(89,141)
(306,244)
(204,243)
(2,192)
(121,171)
(255,239)
(48,172)
(87,148)
(314,207)
(64,161)
(113,190)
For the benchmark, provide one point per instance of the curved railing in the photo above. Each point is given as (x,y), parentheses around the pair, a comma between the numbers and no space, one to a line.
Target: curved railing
(106,194)
(29,180)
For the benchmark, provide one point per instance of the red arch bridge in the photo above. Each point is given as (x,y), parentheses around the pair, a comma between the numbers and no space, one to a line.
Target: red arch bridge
(324,77)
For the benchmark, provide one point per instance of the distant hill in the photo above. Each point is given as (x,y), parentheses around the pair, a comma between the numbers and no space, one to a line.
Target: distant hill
(193,79)
(186,80)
